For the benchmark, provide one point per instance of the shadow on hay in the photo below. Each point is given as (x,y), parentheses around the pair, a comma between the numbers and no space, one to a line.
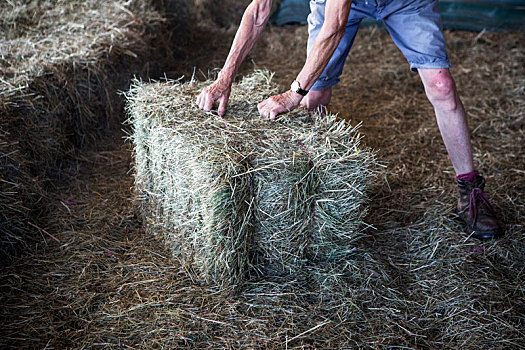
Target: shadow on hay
(49,119)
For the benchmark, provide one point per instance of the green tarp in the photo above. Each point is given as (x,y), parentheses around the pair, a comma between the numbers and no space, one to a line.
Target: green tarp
(291,12)
(501,15)
(475,15)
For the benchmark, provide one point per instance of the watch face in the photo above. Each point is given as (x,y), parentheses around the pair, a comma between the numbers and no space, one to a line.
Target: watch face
(295,86)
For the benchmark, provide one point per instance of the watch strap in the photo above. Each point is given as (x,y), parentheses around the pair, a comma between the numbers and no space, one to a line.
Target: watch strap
(302,92)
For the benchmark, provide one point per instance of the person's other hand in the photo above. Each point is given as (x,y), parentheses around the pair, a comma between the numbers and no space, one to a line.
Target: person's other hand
(219,92)
(278,104)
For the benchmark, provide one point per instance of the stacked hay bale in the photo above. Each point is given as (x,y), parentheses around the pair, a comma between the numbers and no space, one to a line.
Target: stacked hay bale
(56,59)
(241,197)
(61,65)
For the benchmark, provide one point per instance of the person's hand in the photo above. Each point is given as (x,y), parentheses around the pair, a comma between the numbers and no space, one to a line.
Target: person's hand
(219,92)
(278,104)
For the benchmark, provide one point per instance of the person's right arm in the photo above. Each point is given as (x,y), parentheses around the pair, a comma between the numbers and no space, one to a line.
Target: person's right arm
(252,24)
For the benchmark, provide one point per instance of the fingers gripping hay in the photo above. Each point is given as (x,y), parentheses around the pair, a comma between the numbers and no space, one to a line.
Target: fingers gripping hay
(241,197)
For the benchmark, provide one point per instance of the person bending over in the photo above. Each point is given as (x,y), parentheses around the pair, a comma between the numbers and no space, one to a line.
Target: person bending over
(415,27)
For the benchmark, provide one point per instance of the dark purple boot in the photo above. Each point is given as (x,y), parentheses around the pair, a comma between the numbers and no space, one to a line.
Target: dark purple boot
(475,209)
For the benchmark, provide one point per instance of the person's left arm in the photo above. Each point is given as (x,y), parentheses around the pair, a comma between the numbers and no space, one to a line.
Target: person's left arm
(331,33)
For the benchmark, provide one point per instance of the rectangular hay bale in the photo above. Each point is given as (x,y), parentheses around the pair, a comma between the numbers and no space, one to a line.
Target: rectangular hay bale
(241,197)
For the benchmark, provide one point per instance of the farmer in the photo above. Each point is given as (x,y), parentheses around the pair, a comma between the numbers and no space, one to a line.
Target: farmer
(415,27)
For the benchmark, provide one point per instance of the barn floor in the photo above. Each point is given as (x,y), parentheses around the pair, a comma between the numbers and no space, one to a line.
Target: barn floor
(101,281)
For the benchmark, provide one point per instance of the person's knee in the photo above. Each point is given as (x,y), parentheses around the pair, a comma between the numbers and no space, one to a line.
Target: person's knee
(441,90)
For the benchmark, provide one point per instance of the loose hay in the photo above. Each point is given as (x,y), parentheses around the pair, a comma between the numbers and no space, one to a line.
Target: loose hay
(109,284)
(242,197)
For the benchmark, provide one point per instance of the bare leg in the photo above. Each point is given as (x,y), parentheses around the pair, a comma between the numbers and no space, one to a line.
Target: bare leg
(316,99)
(450,114)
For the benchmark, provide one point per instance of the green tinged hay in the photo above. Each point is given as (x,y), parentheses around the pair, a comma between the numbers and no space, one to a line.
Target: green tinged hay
(242,197)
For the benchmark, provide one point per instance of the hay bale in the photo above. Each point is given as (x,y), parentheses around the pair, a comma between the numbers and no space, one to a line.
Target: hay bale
(242,197)
(58,58)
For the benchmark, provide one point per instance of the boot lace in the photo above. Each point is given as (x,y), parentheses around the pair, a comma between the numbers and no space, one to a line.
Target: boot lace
(477,196)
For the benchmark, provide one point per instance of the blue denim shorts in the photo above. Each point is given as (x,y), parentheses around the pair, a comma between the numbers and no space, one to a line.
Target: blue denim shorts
(415,27)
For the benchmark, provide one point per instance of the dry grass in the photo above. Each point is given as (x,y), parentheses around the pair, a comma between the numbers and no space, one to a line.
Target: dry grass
(240,196)
(110,284)
(37,35)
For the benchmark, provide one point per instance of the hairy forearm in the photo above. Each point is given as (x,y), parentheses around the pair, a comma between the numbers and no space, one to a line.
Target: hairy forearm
(327,41)
(252,24)
(318,59)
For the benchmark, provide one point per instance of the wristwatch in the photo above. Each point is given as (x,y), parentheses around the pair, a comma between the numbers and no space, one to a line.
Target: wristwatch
(296,87)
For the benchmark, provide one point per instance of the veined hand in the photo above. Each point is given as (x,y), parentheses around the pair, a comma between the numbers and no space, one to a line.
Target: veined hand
(275,105)
(219,92)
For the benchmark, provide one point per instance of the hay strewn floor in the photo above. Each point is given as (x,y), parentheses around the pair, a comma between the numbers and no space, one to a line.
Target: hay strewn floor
(109,284)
